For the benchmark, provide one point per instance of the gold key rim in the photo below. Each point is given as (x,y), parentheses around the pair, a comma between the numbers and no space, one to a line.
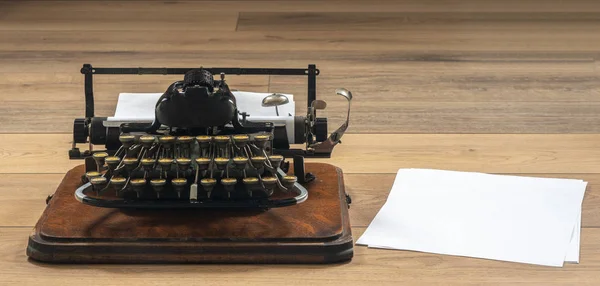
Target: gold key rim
(100,155)
(203,138)
(208,181)
(92,174)
(138,182)
(118,180)
(98,180)
(250,180)
(179,181)
(229,181)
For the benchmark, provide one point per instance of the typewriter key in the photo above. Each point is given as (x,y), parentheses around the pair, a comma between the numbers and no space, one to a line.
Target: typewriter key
(289,181)
(98,183)
(262,140)
(127,140)
(166,140)
(148,164)
(204,141)
(158,185)
(138,186)
(202,163)
(100,158)
(258,161)
(117,183)
(222,139)
(208,184)
(183,163)
(240,162)
(251,183)
(147,141)
(269,183)
(112,162)
(185,139)
(229,185)
(165,162)
(241,140)
(276,160)
(221,163)
(179,184)
(130,164)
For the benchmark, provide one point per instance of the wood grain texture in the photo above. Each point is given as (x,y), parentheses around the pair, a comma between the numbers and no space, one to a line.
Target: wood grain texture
(460,66)
(382,267)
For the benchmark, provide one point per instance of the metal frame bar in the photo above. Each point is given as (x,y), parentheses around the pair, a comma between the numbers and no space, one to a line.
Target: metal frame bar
(88,71)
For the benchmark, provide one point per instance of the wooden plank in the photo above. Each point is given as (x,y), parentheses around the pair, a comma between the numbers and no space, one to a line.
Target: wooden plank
(73,6)
(48,16)
(383,267)
(504,38)
(376,153)
(23,196)
(448,21)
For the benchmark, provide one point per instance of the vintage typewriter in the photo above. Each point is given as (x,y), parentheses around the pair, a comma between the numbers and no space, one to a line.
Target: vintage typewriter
(202,149)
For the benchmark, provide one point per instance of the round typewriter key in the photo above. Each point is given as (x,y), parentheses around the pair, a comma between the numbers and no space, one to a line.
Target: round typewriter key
(241,140)
(185,139)
(158,185)
(250,181)
(179,184)
(98,183)
(138,186)
(262,140)
(167,141)
(147,140)
(165,162)
(117,183)
(289,181)
(221,139)
(269,183)
(204,140)
(240,162)
(92,174)
(112,162)
(130,164)
(258,161)
(148,163)
(202,163)
(229,185)
(127,140)
(208,184)
(276,160)
(183,163)
(221,163)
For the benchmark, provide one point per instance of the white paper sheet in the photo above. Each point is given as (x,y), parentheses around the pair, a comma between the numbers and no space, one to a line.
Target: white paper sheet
(511,218)
(139,107)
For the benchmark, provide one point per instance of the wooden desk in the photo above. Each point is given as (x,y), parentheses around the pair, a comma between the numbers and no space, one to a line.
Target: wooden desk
(471,86)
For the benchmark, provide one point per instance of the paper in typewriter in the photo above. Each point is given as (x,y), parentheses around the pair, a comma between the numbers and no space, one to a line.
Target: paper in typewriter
(509,218)
(139,107)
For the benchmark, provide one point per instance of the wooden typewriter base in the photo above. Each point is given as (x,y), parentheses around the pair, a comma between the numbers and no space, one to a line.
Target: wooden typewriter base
(316,231)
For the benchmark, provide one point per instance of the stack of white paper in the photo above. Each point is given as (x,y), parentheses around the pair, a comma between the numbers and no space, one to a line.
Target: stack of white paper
(510,218)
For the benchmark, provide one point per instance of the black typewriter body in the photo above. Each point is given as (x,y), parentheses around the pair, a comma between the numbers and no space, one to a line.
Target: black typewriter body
(200,151)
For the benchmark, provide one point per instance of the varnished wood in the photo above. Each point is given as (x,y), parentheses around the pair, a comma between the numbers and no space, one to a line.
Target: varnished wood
(316,231)
(445,70)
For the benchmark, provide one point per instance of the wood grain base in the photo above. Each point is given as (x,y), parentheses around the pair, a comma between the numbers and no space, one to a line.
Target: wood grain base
(316,231)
